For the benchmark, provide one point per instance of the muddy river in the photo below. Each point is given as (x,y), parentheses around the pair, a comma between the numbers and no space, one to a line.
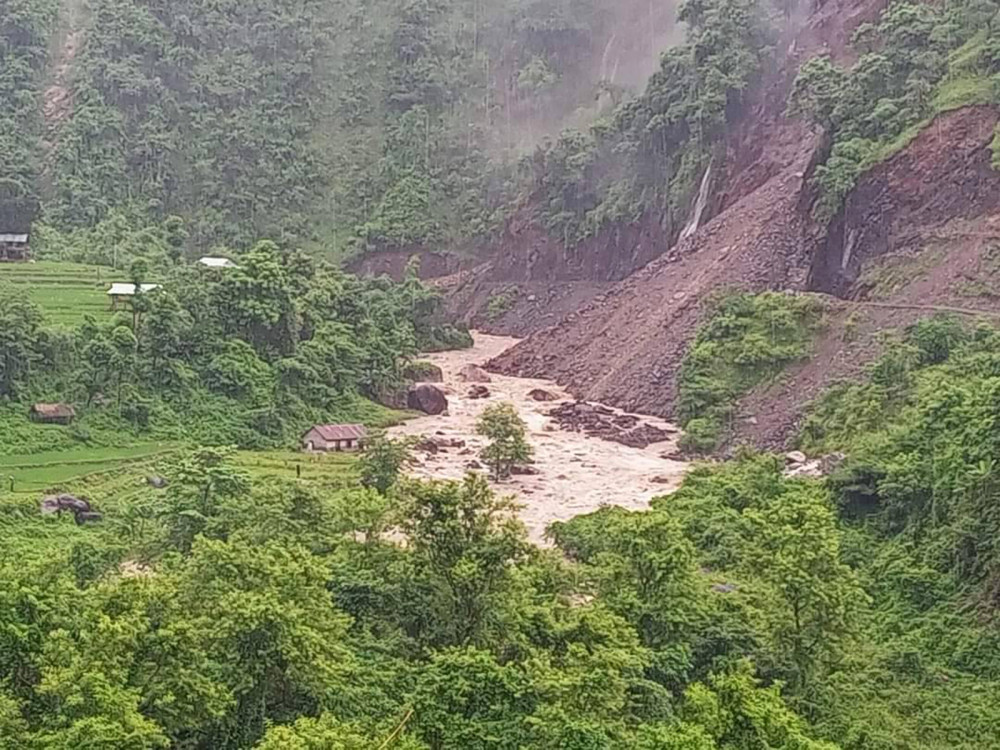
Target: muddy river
(576,474)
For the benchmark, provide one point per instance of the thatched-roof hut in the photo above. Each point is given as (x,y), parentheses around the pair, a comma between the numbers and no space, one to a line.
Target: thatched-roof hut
(52,413)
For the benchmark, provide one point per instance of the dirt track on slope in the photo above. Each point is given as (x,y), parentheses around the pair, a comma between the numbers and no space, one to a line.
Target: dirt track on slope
(577,474)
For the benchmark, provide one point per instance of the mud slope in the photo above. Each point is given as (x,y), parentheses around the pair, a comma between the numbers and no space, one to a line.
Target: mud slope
(626,346)
(921,231)
(543,280)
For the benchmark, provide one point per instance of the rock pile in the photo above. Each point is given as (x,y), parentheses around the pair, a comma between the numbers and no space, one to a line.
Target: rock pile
(600,421)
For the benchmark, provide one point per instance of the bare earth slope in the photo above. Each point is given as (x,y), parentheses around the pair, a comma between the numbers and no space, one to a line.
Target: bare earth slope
(922,222)
(921,232)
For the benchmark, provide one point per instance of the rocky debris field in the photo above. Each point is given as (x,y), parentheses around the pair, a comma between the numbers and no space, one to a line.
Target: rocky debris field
(604,422)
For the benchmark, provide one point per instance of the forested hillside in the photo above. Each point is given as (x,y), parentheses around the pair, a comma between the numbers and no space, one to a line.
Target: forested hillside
(334,123)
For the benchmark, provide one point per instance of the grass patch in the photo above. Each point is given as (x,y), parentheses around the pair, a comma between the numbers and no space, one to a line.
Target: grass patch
(501,302)
(748,340)
(323,468)
(66,292)
(35,472)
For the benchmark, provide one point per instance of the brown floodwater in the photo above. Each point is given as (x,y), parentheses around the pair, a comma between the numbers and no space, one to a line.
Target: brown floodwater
(577,474)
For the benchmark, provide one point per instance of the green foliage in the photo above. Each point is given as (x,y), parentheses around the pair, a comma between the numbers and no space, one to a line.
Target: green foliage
(251,355)
(508,448)
(383,461)
(650,154)
(501,302)
(25,26)
(918,60)
(748,339)
(20,343)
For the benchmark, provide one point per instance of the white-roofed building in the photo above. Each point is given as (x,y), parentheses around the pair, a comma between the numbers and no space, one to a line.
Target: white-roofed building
(210,262)
(124,292)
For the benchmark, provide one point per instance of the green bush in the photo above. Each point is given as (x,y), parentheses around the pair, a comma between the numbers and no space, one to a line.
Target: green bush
(747,339)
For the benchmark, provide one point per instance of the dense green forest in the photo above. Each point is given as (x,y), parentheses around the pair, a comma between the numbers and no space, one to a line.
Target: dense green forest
(335,123)
(747,610)
(234,596)
(249,356)
(344,126)
(347,127)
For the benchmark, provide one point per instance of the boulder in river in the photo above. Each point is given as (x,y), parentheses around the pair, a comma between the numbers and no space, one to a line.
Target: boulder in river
(423,372)
(474,374)
(479,392)
(427,398)
(540,394)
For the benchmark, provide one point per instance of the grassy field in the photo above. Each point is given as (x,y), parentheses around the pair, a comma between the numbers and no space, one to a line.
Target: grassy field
(37,472)
(91,468)
(66,292)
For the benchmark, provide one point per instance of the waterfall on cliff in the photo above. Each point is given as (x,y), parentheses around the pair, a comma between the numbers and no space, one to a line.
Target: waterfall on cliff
(699,205)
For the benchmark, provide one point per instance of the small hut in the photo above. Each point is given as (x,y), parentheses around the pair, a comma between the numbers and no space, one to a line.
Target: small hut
(14,248)
(122,294)
(52,413)
(334,438)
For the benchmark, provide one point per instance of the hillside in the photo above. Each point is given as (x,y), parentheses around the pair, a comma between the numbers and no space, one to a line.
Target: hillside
(930,206)
(344,126)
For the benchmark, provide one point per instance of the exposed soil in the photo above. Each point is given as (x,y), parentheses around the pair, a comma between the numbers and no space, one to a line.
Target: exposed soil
(576,473)
(57,103)
(919,235)
(938,197)
(625,347)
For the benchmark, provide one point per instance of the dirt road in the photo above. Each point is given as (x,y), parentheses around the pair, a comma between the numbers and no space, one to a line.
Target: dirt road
(576,474)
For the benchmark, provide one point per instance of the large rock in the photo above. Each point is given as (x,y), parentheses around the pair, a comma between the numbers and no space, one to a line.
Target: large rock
(423,372)
(427,398)
(539,394)
(474,374)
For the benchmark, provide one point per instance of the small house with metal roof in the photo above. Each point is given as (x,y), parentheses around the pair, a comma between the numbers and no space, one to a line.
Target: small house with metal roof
(123,293)
(52,413)
(334,438)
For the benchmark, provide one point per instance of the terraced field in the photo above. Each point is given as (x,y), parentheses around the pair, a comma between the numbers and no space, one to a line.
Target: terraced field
(95,469)
(82,466)
(66,292)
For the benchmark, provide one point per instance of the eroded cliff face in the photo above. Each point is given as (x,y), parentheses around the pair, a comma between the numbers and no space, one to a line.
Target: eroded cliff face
(900,206)
(625,346)
(917,234)
(541,280)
